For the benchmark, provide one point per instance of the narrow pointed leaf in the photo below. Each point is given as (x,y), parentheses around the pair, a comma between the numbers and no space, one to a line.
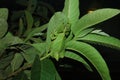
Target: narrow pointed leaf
(92,55)
(99,32)
(85,32)
(36,69)
(71,10)
(21,27)
(107,41)
(78,58)
(93,18)
(29,20)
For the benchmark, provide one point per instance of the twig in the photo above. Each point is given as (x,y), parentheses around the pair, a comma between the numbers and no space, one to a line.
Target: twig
(19,70)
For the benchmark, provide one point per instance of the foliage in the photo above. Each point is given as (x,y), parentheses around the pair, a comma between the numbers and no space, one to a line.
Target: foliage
(27,54)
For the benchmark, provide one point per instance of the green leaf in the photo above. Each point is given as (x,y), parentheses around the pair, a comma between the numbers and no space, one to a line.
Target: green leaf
(57,77)
(21,27)
(29,20)
(99,32)
(93,18)
(71,10)
(5,42)
(78,58)
(48,71)
(5,61)
(107,41)
(8,40)
(3,27)
(29,52)
(4,13)
(8,70)
(85,32)
(17,61)
(36,69)
(92,55)
(41,47)
(32,4)
(35,31)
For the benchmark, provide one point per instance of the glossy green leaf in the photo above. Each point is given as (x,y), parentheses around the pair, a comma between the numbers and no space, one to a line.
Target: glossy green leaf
(107,41)
(4,13)
(78,58)
(92,55)
(93,18)
(36,69)
(17,61)
(71,10)
(3,27)
(48,71)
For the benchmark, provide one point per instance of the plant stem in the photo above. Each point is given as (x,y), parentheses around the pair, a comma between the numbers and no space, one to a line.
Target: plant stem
(45,56)
(18,71)
(25,67)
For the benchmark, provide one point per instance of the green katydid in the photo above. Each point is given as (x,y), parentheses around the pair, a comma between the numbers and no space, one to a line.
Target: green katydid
(57,28)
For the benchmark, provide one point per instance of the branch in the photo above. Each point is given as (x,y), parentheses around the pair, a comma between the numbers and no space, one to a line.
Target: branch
(19,70)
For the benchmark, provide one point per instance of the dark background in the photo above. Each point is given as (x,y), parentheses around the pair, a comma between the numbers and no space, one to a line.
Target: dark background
(111,26)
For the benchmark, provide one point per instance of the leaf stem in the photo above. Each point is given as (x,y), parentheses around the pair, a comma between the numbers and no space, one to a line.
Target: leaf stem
(45,56)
